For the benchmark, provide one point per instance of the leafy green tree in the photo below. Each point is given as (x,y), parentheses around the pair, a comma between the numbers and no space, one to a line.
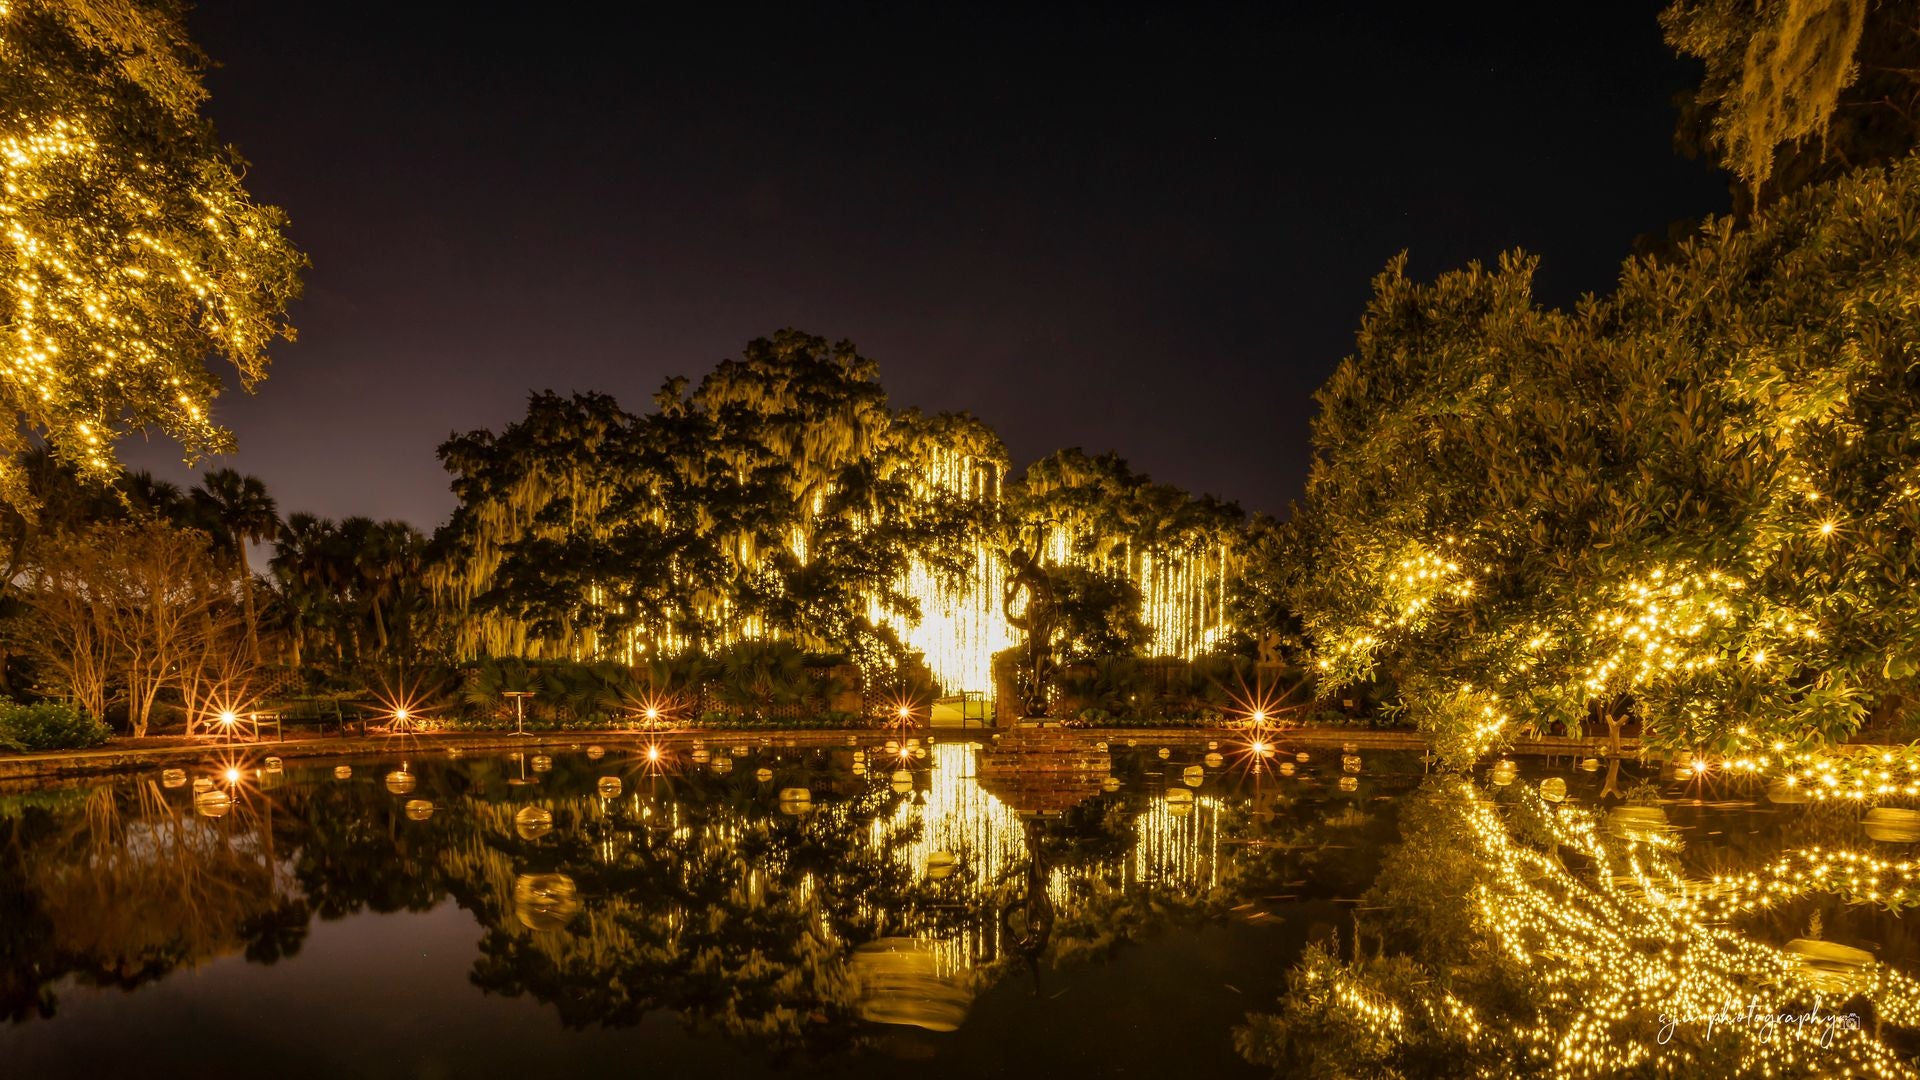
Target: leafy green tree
(134,253)
(1691,500)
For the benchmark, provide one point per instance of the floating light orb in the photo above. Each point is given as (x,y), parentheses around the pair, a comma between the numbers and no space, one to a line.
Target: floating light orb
(1643,823)
(202,783)
(533,822)
(1109,783)
(763,774)
(1349,783)
(859,768)
(596,752)
(542,763)
(1287,768)
(173,778)
(274,764)
(940,865)
(1350,763)
(418,809)
(1301,757)
(1892,825)
(1163,753)
(212,803)
(902,782)
(740,751)
(892,747)
(1179,801)
(545,902)
(400,781)
(1193,776)
(701,757)
(1101,746)
(1591,764)
(1553,789)
(343,772)
(1213,761)
(1503,772)
(722,765)
(610,787)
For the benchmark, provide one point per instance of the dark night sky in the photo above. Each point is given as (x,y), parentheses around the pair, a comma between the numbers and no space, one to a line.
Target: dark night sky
(1144,230)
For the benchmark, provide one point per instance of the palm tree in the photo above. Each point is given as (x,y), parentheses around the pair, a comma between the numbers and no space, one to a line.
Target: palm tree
(299,565)
(239,511)
(148,494)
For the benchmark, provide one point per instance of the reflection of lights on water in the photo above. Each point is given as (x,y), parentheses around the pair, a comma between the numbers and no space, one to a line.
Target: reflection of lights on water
(1572,928)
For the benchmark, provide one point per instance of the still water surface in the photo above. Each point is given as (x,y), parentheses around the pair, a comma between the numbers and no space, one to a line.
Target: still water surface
(495,915)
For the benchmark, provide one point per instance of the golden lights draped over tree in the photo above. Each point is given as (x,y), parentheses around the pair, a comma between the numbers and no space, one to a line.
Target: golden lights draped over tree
(781,499)
(132,252)
(1693,500)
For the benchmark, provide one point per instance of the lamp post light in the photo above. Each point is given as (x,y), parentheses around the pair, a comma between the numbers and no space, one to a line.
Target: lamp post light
(519,709)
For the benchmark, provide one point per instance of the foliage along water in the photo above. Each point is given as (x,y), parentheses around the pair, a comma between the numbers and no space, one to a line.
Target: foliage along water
(496,915)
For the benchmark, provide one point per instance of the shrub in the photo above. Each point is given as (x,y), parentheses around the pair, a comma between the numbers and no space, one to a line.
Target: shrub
(50,725)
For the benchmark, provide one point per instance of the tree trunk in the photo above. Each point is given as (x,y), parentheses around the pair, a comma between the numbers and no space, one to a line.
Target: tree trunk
(379,624)
(246,594)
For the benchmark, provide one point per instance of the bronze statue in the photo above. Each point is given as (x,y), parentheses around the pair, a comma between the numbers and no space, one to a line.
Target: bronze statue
(1036,619)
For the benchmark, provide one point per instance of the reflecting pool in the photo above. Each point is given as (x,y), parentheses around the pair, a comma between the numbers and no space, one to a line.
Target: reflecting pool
(751,909)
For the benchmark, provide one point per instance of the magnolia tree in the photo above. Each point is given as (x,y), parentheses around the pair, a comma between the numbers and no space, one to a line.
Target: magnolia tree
(1694,501)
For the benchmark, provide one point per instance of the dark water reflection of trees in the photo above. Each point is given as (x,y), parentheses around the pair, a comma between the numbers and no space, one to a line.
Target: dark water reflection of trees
(694,891)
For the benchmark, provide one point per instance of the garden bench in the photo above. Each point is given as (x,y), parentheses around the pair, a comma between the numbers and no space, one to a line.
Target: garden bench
(316,713)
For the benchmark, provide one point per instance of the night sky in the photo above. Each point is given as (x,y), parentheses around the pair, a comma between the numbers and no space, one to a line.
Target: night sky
(1145,230)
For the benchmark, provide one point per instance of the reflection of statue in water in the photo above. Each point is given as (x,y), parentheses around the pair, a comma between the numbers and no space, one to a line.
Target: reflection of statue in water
(1026,919)
(1029,606)
(900,983)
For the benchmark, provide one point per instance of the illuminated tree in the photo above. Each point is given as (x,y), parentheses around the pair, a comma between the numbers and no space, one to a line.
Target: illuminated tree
(1775,71)
(780,497)
(1693,499)
(134,253)
(1179,552)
